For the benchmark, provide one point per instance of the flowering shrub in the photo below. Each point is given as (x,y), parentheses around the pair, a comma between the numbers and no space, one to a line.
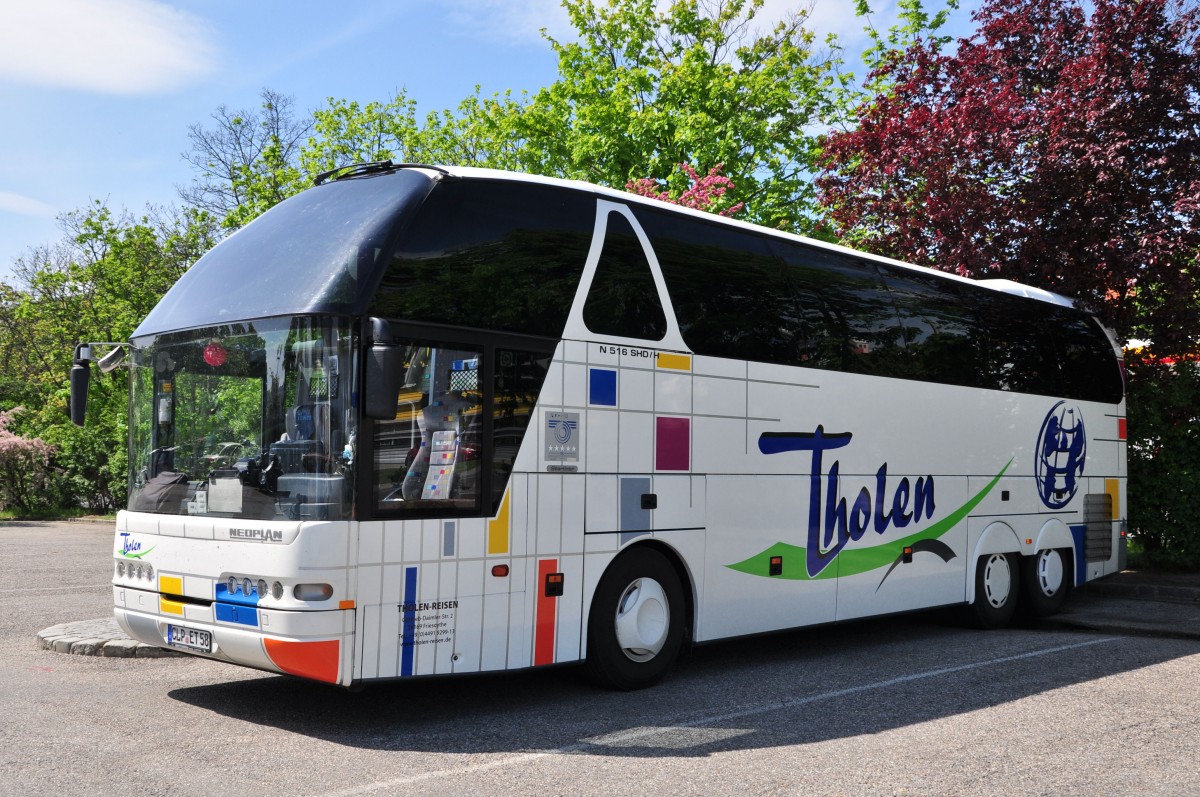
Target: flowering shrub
(24,467)
(705,192)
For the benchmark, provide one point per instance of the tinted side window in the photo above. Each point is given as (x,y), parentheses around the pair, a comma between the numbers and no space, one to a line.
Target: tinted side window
(427,458)
(1088,362)
(1019,355)
(857,309)
(733,298)
(755,297)
(942,335)
(491,255)
(461,414)
(623,299)
(1035,347)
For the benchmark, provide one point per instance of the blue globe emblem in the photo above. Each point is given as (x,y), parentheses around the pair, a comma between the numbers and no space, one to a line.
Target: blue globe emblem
(563,430)
(1061,451)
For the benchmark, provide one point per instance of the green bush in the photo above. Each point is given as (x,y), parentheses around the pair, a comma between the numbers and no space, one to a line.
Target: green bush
(1164,462)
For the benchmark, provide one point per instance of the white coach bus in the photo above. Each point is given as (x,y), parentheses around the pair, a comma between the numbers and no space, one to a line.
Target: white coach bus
(419,421)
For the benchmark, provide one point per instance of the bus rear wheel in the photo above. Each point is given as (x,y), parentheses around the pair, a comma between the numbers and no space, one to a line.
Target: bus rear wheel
(996,585)
(1045,582)
(635,627)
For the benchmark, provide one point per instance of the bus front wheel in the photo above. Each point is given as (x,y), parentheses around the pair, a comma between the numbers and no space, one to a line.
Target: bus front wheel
(635,627)
(996,585)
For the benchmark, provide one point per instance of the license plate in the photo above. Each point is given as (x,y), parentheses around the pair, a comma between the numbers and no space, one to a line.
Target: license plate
(191,638)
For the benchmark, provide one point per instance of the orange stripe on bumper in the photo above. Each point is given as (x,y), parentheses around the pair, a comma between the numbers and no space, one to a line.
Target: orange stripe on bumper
(315,660)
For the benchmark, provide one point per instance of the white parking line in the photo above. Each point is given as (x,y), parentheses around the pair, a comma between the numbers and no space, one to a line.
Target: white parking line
(625,737)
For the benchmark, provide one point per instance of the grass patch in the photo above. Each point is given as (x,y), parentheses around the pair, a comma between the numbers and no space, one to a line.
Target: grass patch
(53,514)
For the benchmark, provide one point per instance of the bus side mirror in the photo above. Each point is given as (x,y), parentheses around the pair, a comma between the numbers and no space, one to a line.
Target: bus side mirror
(385,373)
(81,374)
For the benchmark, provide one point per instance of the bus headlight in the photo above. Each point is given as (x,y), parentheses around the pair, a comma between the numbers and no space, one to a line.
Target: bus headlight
(254,587)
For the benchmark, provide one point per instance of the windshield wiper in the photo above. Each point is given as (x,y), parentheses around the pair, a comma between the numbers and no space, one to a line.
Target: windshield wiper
(359,169)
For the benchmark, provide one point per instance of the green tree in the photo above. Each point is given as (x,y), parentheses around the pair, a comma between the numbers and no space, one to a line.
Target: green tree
(1164,461)
(481,131)
(639,93)
(248,160)
(643,91)
(95,284)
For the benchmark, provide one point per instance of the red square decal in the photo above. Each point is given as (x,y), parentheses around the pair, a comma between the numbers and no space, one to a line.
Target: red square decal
(673,444)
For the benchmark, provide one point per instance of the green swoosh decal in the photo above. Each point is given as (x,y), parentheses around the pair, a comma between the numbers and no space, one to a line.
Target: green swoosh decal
(140,554)
(860,560)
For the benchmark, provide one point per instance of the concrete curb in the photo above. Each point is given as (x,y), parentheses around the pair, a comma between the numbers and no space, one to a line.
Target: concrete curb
(1161,619)
(97,638)
(1146,592)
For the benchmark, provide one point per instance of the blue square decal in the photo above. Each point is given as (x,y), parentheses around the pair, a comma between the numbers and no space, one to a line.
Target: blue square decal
(602,387)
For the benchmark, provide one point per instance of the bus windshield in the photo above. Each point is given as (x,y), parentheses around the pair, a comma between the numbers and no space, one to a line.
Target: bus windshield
(244,420)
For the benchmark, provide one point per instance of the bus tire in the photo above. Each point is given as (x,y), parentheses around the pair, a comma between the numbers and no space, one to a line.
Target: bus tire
(635,627)
(1045,582)
(996,587)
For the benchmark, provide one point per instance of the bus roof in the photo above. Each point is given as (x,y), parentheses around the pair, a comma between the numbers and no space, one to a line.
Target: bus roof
(472,172)
(317,252)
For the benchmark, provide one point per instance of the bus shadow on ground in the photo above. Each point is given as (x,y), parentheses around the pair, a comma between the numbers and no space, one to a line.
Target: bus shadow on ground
(786,689)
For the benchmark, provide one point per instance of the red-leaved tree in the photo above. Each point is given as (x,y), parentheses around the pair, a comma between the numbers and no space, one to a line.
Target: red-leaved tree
(1059,146)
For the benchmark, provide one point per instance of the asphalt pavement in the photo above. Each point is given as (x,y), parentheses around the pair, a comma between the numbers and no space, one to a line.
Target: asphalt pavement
(912,705)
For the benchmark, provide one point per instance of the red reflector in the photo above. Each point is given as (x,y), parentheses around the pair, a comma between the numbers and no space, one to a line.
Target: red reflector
(500,571)
(1120,428)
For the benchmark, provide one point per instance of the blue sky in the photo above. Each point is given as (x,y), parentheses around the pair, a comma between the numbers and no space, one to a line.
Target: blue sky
(98,94)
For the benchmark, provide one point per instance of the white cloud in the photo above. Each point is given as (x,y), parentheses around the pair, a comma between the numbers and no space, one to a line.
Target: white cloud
(838,17)
(508,21)
(522,22)
(25,206)
(110,46)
